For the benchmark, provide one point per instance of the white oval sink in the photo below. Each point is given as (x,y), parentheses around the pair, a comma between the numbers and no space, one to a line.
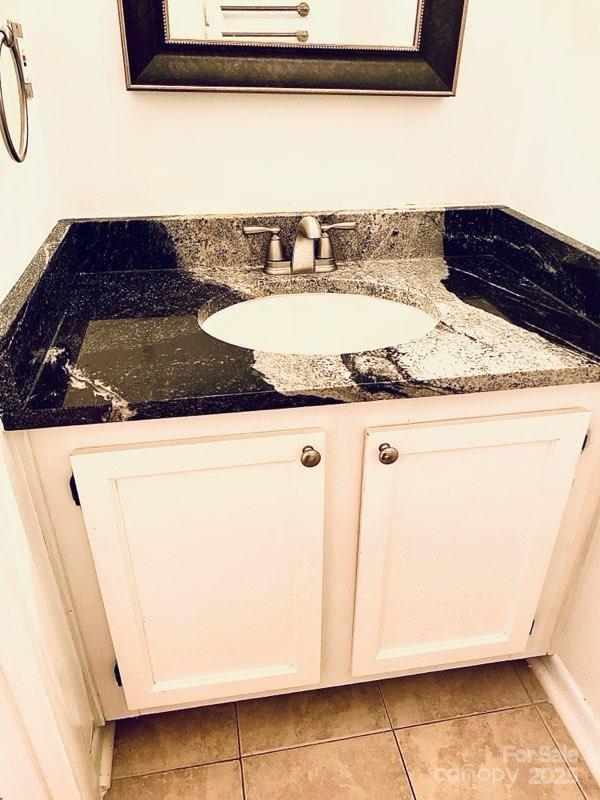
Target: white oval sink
(318,324)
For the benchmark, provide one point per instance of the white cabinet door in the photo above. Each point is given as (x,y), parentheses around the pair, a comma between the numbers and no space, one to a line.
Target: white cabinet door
(209,557)
(456,536)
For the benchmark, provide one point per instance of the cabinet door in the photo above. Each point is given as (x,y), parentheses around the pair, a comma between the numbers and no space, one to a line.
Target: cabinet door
(456,536)
(209,557)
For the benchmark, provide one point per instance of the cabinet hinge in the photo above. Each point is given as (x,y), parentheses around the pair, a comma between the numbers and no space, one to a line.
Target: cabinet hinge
(117,674)
(532,626)
(74,492)
(585,442)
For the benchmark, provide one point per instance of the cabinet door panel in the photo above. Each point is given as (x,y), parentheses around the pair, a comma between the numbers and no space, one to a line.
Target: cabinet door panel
(457,535)
(209,559)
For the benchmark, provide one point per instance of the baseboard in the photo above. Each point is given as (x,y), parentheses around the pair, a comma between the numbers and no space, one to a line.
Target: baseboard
(103,745)
(572,707)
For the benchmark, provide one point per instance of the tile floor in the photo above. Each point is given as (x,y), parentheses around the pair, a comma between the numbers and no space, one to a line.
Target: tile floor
(469,734)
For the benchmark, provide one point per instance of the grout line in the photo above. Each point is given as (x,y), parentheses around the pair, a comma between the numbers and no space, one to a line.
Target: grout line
(568,766)
(402,761)
(239,739)
(316,743)
(387,713)
(382,730)
(516,672)
(175,769)
(522,682)
(463,716)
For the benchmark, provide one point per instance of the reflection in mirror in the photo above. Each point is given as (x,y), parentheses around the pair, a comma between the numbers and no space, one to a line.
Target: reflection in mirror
(386,23)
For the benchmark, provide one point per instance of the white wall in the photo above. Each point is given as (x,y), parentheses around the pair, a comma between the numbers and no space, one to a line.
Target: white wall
(556,175)
(28,196)
(577,640)
(155,153)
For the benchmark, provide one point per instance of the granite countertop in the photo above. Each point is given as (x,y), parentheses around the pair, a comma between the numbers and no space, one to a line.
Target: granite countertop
(105,326)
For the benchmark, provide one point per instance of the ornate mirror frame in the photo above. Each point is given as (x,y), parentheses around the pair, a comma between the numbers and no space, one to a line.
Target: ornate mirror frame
(155,62)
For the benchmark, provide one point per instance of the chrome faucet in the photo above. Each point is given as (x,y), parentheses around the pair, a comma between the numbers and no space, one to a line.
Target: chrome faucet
(313,250)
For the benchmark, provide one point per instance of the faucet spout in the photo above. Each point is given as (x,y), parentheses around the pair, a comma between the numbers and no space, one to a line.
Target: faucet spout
(303,256)
(310,227)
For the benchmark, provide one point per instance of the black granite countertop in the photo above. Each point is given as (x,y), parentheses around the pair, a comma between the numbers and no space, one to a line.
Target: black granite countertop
(104,325)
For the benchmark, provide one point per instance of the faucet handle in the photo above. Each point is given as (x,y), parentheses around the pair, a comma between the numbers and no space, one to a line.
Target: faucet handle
(341,226)
(275,262)
(325,261)
(252,230)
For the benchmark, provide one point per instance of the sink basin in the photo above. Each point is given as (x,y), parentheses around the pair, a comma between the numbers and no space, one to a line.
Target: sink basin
(318,324)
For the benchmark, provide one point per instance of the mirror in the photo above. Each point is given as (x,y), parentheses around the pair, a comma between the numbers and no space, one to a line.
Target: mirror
(348,23)
(332,46)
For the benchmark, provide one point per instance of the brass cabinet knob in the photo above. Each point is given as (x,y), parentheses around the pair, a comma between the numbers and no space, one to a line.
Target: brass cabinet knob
(310,457)
(387,454)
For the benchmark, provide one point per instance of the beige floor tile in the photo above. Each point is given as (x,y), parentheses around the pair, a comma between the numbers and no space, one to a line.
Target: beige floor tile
(532,686)
(506,755)
(175,739)
(570,753)
(365,768)
(290,720)
(418,699)
(211,782)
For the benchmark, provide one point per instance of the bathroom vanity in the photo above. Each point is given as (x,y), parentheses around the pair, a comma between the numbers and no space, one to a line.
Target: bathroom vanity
(229,522)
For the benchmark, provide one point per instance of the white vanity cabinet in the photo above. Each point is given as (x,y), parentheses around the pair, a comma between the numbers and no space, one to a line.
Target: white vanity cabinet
(456,534)
(211,565)
(209,556)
